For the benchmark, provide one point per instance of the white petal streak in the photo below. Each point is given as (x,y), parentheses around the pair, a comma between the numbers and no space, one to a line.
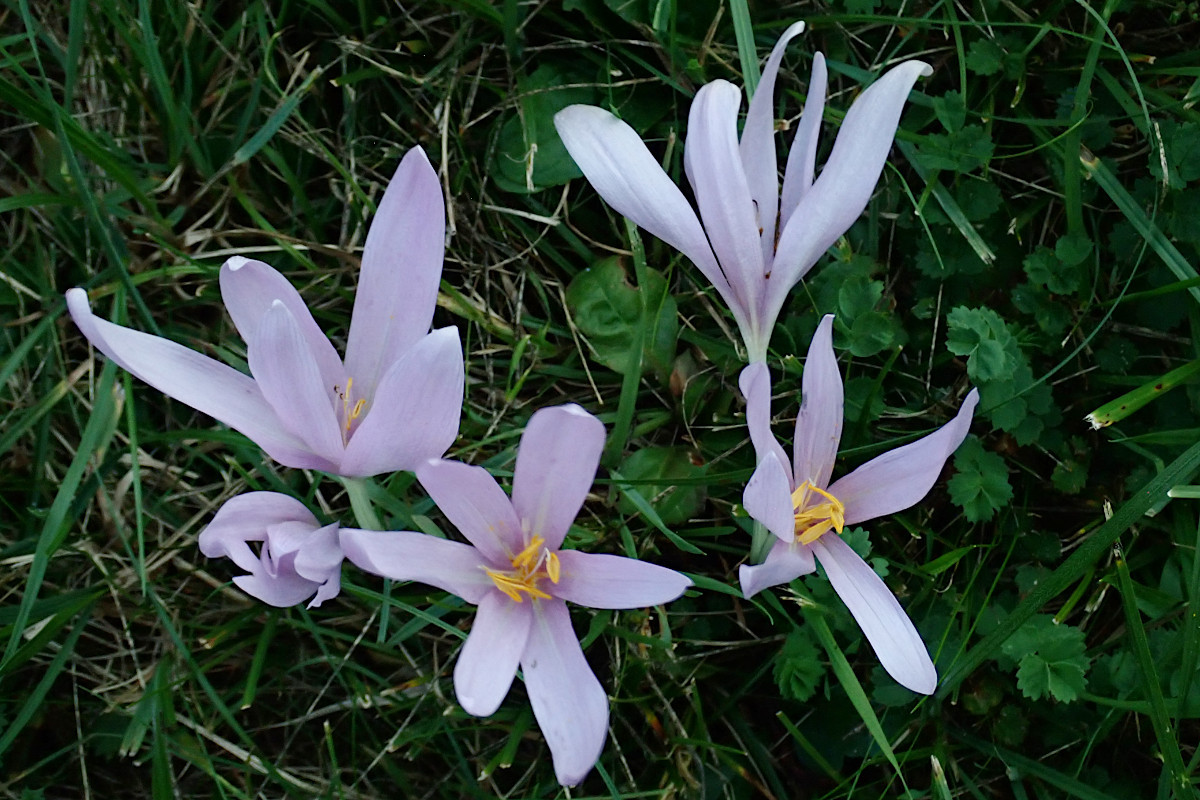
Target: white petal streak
(203,383)
(802,158)
(819,423)
(899,478)
(623,172)
(757,146)
(488,661)
(876,610)
(714,169)
(606,581)
(568,702)
(786,562)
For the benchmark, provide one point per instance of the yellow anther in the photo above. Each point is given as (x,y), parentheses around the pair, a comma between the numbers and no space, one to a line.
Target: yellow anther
(813,521)
(530,566)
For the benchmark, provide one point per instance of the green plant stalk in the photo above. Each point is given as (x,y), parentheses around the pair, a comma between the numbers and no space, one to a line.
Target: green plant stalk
(1073,568)
(359,491)
(761,541)
(1126,404)
(854,691)
(632,378)
(1072,177)
(743,29)
(100,428)
(1167,744)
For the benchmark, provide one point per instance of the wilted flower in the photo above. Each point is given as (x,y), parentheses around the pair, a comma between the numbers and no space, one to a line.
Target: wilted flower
(296,556)
(519,578)
(795,501)
(396,400)
(754,244)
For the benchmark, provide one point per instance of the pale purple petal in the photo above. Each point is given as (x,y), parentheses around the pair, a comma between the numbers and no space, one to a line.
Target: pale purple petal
(401,272)
(476,505)
(281,590)
(848,178)
(876,610)
(755,383)
(568,702)
(757,147)
(196,380)
(327,590)
(488,660)
(415,412)
(802,158)
(768,498)
(285,370)
(556,464)
(320,555)
(786,562)
(622,171)
(246,518)
(714,169)
(288,537)
(899,478)
(249,288)
(819,423)
(408,556)
(604,581)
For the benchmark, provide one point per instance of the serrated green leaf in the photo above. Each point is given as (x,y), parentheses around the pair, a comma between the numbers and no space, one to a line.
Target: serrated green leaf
(873,332)
(985,57)
(798,666)
(1046,267)
(1050,659)
(951,110)
(963,151)
(980,487)
(978,199)
(981,335)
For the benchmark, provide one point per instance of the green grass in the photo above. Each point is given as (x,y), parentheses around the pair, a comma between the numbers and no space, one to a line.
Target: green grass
(1043,198)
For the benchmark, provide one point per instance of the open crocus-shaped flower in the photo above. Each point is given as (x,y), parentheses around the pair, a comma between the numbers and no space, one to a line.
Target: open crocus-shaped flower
(297,556)
(797,503)
(392,404)
(519,578)
(755,243)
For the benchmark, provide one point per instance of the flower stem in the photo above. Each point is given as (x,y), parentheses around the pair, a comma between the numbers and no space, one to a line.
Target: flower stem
(760,543)
(359,490)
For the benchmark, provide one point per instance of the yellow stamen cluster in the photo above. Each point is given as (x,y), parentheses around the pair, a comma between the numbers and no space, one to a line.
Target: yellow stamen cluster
(530,566)
(350,414)
(813,521)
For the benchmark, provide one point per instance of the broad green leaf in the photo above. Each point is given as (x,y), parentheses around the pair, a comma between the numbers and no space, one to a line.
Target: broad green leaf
(675,502)
(607,309)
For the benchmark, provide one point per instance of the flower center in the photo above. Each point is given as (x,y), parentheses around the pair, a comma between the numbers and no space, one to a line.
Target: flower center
(530,566)
(814,519)
(351,409)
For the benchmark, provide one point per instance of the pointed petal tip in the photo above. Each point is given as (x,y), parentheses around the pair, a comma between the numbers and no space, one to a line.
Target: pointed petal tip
(234,263)
(795,29)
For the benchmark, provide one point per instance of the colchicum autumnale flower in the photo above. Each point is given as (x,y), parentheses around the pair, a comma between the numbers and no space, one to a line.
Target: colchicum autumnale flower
(795,501)
(297,555)
(392,404)
(755,244)
(520,579)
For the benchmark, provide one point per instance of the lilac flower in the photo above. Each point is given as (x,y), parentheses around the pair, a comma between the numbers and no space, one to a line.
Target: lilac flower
(796,502)
(519,578)
(297,555)
(754,244)
(392,404)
